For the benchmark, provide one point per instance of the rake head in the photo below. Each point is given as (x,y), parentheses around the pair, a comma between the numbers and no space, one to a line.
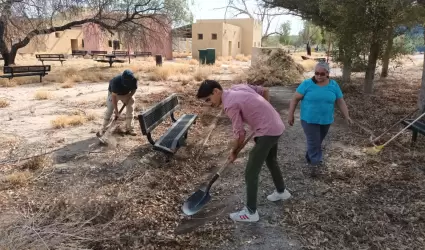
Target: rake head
(374,150)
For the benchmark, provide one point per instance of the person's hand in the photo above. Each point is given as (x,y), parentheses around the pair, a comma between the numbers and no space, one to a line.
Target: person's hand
(291,119)
(232,157)
(349,121)
(116,115)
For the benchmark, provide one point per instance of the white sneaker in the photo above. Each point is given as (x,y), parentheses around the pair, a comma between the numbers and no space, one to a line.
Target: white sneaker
(245,216)
(275,196)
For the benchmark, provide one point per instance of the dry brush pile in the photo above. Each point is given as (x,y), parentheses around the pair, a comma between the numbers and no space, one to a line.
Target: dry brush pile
(273,67)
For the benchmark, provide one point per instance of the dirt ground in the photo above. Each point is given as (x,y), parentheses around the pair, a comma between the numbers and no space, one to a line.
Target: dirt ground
(83,195)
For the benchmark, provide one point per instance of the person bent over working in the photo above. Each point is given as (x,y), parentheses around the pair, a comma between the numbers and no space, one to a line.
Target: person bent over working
(249,104)
(121,88)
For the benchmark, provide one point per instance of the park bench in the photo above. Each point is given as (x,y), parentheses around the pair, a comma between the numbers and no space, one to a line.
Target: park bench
(142,53)
(120,53)
(50,57)
(417,127)
(97,53)
(79,52)
(18,71)
(176,135)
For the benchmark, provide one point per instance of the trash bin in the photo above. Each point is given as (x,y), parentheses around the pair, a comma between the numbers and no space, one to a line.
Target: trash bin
(158,59)
(211,56)
(202,56)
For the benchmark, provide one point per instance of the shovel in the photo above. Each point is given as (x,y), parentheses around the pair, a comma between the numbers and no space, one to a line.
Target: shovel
(201,197)
(111,124)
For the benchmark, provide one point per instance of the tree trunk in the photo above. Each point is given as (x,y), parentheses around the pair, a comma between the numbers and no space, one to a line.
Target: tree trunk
(371,67)
(346,71)
(9,57)
(421,101)
(387,54)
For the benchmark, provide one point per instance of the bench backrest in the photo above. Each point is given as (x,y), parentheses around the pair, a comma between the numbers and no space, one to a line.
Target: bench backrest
(98,52)
(119,53)
(141,53)
(49,56)
(79,52)
(25,69)
(152,117)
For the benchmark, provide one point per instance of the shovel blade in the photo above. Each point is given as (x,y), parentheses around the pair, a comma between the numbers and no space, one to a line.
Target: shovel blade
(195,202)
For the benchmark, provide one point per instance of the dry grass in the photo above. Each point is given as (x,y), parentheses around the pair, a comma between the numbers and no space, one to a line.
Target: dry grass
(18,178)
(68,84)
(308,65)
(18,81)
(37,162)
(75,118)
(225,58)
(91,116)
(4,103)
(202,73)
(43,95)
(181,54)
(242,58)
(7,83)
(166,71)
(64,121)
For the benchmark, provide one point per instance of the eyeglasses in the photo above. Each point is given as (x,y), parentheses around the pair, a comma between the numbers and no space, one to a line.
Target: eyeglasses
(319,73)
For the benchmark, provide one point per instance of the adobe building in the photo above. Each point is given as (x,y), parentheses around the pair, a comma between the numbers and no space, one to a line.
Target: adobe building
(91,37)
(229,37)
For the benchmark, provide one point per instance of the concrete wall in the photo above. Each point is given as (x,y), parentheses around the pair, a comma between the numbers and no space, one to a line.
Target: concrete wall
(182,45)
(231,34)
(52,44)
(158,41)
(207,29)
(251,31)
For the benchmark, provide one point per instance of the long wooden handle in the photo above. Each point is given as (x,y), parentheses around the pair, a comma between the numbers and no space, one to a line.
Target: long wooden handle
(237,151)
(402,119)
(410,124)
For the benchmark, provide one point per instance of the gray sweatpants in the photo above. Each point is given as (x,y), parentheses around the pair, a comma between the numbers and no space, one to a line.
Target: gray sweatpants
(129,122)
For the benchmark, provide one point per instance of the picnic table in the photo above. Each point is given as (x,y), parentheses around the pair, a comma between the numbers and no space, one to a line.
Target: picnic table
(110,59)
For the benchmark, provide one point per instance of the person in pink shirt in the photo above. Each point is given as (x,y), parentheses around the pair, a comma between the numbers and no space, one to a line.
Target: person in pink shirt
(250,104)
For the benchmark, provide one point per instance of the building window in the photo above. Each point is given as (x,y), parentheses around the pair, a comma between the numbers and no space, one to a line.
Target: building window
(116,45)
(110,43)
(200,36)
(239,45)
(214,36)
(82,43)
(57,34)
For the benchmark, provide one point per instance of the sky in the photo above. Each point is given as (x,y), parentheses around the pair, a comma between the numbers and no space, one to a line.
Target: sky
(210,9)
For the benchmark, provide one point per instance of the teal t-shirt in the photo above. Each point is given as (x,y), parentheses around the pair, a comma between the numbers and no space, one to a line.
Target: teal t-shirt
(318,103)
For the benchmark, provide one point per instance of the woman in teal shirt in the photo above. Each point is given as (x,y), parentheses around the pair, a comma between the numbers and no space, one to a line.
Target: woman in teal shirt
(318,96)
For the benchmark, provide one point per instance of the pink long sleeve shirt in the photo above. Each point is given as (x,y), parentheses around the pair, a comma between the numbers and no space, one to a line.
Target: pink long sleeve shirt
(245,103)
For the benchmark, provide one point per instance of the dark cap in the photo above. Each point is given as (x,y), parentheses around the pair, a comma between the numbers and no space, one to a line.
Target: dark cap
(128,78)
(207,87)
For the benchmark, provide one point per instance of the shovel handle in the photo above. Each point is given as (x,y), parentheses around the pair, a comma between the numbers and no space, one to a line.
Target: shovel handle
(237,151)
(228,162)
(122,108)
